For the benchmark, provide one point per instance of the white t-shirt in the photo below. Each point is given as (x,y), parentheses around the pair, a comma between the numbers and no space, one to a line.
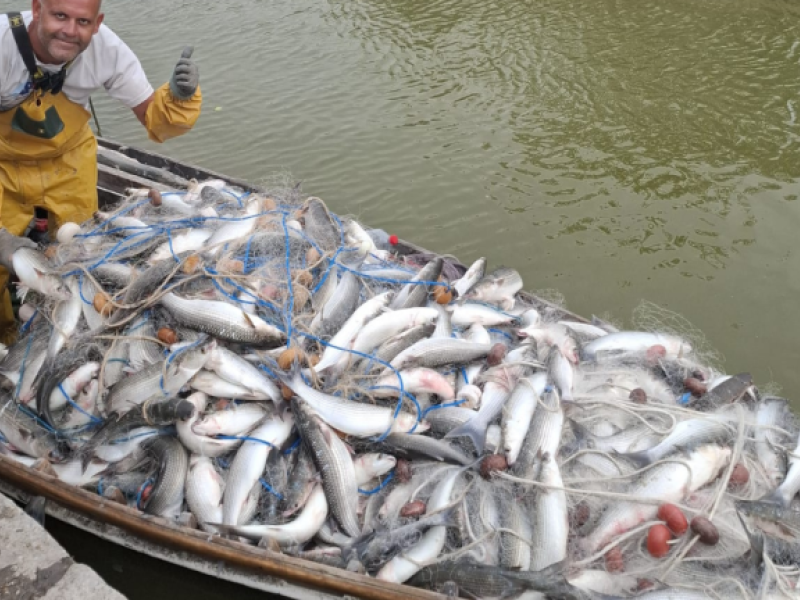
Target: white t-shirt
(106,63)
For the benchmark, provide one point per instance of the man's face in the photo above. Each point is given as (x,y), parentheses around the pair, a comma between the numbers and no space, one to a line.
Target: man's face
(64,28)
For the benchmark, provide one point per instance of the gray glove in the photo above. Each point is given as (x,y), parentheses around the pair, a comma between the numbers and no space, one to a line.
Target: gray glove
(11,243)
(186,76)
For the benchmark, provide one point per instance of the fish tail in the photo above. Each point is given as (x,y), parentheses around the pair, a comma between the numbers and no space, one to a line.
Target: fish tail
(22,291)
(551,577)
(35,508)
(474,429)
(777,497)
(288,378)
(582,441)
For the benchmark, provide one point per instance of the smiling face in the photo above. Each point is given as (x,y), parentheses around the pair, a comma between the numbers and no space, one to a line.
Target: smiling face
(62,29)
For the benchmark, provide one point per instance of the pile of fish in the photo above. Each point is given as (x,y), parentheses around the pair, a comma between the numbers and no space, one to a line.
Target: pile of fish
(257,367)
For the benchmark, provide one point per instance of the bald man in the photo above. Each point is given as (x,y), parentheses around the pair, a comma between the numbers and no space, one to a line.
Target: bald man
(51,59)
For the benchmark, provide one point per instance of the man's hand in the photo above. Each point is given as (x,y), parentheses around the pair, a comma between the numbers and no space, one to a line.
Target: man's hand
(11,243)
(186,76)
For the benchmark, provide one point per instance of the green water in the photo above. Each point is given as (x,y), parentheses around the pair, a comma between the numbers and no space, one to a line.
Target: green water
(614,151)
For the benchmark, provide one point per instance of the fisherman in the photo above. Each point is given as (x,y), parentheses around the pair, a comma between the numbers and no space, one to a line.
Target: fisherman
(52,58)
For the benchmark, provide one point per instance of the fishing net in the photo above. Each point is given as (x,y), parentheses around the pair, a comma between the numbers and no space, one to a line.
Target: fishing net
(280,260)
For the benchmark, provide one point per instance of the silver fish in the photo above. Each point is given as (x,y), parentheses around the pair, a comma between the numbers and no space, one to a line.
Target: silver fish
(167,496)
(23,432)
(473,275)
(668,482)
(636,342)
(249,462)
(515,550)
(204,492)
(688,433)
(404,566)
(549,519)
(337,310)
(469,314)
(334,464)
(353,418)
(437,352)
(401,341)
(519,411)
(35,273)
(235,369)
(319,225)
(787,490)
(294,533)
(224,321)
(498,287)
(543,437)
(65,318)
(413,294)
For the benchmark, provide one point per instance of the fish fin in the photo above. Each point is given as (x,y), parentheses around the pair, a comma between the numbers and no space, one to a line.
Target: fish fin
(22,291)
(248,320)
(472,429)
(777,498)
(35,508)
(583,439)
(452,590)
(549,578)
(640,459)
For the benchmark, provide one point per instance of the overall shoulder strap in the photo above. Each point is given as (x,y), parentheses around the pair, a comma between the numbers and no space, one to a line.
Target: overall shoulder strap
(24,46)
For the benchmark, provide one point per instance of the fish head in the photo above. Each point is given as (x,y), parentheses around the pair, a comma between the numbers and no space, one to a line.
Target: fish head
(383,463)
(471,394)
(184,410)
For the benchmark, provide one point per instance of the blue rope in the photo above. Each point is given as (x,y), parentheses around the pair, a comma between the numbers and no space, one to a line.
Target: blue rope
(246,438)
(134,437)
(80,289)
(171,249)
(177,353)
(268,371)
(447,405)
(293,447)
(499,332)
(381,485)
(29,322)
(270,489)
(70,401)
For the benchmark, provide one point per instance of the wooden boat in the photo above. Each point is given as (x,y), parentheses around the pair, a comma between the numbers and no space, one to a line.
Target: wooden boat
(122,167)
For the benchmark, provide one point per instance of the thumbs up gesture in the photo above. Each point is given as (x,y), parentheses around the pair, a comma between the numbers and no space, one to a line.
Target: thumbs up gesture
(186,76)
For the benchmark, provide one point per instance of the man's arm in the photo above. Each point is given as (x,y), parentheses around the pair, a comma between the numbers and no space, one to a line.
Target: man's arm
(174,107)
(141,110)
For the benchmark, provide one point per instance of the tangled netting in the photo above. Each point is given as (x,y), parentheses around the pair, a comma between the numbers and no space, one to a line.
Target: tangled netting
(256,366)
